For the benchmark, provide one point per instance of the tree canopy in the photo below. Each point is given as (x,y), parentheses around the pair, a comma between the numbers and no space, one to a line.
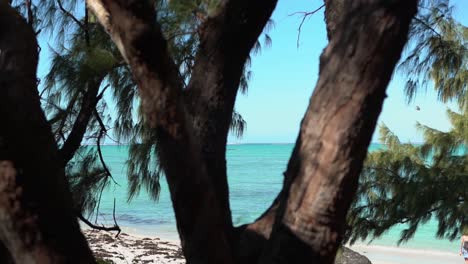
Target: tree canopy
(410,184)
(88,78)
(187,61)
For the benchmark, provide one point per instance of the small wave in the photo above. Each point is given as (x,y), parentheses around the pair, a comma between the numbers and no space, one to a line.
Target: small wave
(137,220)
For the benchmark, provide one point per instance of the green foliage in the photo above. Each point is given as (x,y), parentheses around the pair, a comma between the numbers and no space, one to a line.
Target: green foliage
(87,179)
(73,70)
(85,62)
(180,21)
(84,56)
(412,184)
(437,54)
(409,184)
(238,124)
(142,167)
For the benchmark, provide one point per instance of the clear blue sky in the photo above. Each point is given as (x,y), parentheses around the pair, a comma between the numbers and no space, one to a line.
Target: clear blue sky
(284,77)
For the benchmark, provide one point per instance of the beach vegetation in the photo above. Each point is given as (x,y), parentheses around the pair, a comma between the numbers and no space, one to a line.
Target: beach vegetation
(410,184)
(174,85)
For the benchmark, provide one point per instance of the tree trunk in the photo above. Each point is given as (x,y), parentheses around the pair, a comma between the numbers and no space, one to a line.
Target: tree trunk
(253,237)
(309,214)
(37,224)
(225,44)
(334,12)
(193,154)
(355,69)
(138,36)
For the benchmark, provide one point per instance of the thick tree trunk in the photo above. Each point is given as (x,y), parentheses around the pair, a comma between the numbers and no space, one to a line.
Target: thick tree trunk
(336,131)
(5,256)
(37,224)
(253,237)
(133,27)
(322,174)
(195,169)
(334,12)
(225,44)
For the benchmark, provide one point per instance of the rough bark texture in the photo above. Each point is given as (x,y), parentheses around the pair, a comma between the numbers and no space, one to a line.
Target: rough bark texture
(226,40)
(37,224)
(133,28)
(253,237)
(355,69)
(192,125)
(195,169)
(334,12)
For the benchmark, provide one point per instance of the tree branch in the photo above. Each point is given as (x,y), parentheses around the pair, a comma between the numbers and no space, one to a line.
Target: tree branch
(86,24)
(98,143)
(36,215)
(70,15)
(30,13)
(100,227)
(336,130)
(253,237)
(226,39)
(304,16)
(88,105)
(133,28)
(428,26)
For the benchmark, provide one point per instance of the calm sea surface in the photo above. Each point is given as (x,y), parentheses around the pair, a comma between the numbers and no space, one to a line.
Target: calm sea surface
(255,178)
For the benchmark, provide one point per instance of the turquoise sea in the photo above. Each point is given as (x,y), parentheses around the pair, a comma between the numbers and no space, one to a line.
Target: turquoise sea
(255,178)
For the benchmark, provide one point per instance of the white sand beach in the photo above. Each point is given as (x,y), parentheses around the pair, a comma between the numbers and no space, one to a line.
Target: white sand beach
(131,248)
(137,248)
(395,255)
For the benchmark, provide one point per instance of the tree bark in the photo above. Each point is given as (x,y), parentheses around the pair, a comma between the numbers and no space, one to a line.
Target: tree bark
(355,69)
(334,12)
(5,256)
(37,223)
(208,102)
(132,26)
(308,216)
(252,238)
(225,44)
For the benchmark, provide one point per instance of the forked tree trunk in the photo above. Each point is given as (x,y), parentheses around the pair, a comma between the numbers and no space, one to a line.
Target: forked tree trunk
(357,66)
(226,42)
(134,29)
(355,70)
(309,214)
(192,124)
(37,223)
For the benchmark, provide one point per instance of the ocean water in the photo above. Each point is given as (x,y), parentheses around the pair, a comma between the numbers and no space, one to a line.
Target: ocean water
(255,178)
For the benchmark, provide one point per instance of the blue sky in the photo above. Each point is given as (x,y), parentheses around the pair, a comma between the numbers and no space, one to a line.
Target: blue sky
(284,77)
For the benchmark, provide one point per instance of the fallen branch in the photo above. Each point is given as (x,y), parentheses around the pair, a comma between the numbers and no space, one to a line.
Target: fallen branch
(116,227)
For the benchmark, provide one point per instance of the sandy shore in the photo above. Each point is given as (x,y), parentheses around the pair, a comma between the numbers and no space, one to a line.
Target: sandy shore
(128,248)
(134,248)
(395,255)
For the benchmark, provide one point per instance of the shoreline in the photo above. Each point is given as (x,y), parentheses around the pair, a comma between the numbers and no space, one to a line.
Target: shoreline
(132,248)
(138,247)
(378,254)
